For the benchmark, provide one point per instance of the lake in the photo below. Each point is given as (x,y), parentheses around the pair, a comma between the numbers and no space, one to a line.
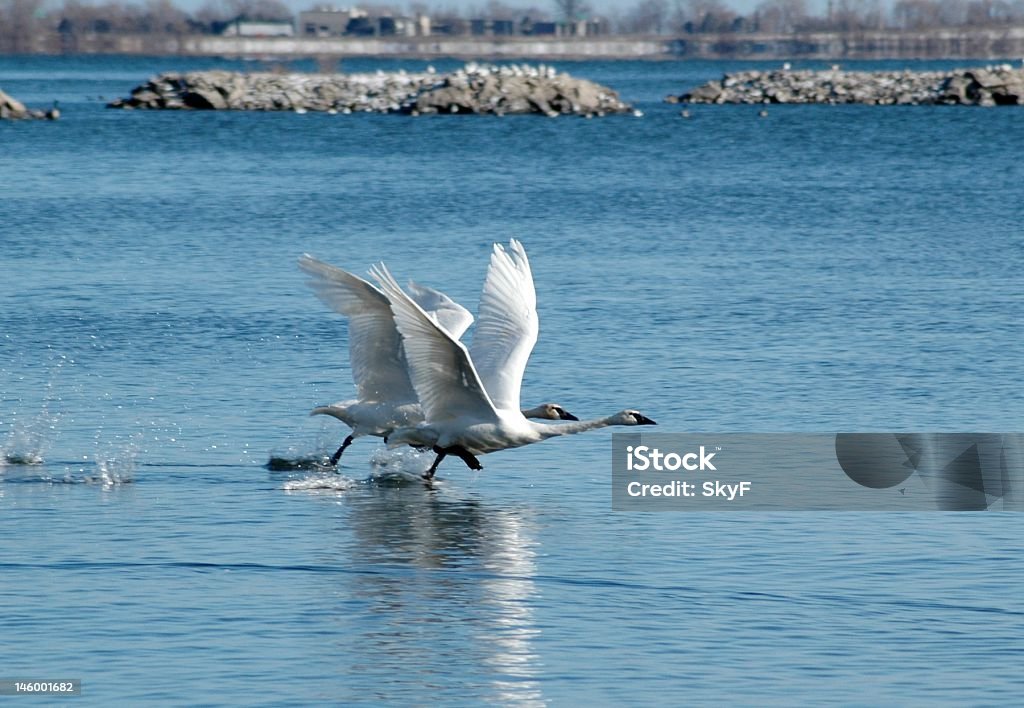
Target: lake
(821,269)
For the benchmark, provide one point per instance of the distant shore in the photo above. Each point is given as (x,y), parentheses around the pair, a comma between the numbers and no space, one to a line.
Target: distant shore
(964,43)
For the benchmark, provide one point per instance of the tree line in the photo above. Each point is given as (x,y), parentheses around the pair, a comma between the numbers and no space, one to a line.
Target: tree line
(35,25)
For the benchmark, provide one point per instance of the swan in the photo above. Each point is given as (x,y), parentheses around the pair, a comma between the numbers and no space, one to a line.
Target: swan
(386,399)
(470,398)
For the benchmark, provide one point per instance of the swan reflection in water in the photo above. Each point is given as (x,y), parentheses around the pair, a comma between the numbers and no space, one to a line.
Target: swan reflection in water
(441,594)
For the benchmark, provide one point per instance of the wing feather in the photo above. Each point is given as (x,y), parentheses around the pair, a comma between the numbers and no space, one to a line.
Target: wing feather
(440,368)
(442,309)
(507,325)
(374,346)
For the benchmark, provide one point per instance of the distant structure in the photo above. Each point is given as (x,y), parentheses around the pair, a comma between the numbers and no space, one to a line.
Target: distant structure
(595,27)
(240,27)
(325,21)
(330,21)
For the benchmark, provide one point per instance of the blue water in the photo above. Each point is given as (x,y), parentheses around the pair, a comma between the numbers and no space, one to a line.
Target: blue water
(821,269)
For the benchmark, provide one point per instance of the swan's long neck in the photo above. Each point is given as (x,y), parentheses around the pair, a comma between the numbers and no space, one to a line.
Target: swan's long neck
(570,427)
(336,411)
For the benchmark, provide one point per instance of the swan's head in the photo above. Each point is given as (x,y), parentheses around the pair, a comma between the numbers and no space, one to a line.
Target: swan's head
(549,411)
(630,417)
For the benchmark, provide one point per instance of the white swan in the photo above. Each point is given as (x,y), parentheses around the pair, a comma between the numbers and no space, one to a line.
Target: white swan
(470,400)
(386,399)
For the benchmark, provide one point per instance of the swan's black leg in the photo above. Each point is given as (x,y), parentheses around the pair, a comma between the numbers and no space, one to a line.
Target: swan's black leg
(337,455)
(441,454)
(467,457)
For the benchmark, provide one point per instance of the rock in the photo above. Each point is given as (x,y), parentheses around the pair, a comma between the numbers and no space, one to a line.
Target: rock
(988,86)
(985,78)
(501,90)
(708,93)
(473,89)
(1012,94)
(204,99)
(13,109)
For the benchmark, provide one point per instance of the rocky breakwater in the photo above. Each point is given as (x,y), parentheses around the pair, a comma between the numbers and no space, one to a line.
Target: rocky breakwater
(13,109)
(510,89)
(989,86)
(472,89)
(227,90)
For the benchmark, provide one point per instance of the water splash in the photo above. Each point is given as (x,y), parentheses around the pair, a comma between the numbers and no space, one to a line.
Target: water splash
(16,458)
(115,458)
(400,465)
(29,438)
(313,455)
(320,483)
(292,460)
(387,468)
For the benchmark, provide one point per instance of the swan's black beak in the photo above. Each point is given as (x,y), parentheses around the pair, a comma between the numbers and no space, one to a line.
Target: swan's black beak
(565,415)
(643,420)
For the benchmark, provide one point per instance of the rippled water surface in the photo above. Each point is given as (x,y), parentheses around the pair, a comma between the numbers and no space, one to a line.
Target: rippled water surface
(821,269)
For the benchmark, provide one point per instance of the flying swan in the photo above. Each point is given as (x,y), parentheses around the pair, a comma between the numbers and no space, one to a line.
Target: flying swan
(470,398)
(386,399)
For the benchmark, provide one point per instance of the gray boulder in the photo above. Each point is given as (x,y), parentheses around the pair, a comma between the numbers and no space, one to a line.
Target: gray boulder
(13,109)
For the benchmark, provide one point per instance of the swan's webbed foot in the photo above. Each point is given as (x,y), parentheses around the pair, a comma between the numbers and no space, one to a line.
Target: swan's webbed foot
(462,453)
(466,456)
(441,454)
(337,455)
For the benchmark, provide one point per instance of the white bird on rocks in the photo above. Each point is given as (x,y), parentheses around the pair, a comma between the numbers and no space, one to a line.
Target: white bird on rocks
(386,397)
(470,399)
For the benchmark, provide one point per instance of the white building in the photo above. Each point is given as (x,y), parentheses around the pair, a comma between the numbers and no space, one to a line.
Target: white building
(259,28)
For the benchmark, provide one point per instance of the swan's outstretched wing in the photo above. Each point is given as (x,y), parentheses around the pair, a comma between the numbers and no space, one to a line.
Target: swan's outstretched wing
(439,365)
(442,309)
(507,325)
(374,344)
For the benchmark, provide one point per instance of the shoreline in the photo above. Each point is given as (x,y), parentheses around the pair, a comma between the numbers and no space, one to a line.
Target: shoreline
(980,44)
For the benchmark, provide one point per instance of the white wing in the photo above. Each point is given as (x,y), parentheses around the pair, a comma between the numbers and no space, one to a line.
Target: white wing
(442,309)
(374,344)
(439,365)
(507,325)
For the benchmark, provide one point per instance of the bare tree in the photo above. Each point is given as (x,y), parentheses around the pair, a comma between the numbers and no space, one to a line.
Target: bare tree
(648,17)
(572,10)
(19,25)
(497,10)
(260,9)
(851,15)
(781,16)
(709,16)
(213,11)
(162,17)
(989,13)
